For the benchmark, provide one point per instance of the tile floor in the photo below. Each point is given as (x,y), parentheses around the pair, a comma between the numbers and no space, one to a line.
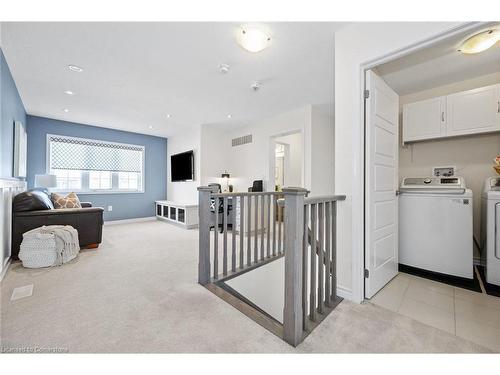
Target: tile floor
(464,313)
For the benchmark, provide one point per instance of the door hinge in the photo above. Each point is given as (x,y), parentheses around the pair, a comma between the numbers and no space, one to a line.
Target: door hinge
(367,273)
(367,94)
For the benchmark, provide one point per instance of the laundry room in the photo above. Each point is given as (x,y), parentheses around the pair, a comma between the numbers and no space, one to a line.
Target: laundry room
(432,184)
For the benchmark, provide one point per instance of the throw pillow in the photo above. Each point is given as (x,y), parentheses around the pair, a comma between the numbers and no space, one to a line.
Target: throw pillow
(69,201)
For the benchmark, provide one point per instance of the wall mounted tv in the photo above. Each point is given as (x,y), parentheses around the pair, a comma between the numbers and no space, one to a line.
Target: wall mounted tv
(182,166)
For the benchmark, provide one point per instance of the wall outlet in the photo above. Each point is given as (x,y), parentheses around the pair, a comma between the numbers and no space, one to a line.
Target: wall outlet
(110,208)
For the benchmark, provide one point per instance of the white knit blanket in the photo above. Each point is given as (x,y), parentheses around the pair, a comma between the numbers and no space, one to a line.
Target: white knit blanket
(63,239)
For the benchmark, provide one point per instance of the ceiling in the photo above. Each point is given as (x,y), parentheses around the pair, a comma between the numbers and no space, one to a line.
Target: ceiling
(439,65)
(137,73)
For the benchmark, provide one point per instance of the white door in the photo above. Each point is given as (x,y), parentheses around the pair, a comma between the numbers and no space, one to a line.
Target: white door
(381,212)
(473,111)
(424,119)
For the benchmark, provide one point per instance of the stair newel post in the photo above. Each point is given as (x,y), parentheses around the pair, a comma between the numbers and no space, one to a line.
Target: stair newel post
(294,232)
(204,193)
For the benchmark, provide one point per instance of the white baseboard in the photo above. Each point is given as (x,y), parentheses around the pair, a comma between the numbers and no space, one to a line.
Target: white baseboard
(344,292)
(127,221)
(5,268)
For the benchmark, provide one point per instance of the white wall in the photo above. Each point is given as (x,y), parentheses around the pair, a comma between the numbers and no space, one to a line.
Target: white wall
(294,159)
(323,153)
(472,155)
(355,45)
(184,192)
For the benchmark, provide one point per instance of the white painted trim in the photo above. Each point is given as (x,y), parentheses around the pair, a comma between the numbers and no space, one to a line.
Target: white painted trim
(358,144)
(127,221)
(344,292)
(5,267)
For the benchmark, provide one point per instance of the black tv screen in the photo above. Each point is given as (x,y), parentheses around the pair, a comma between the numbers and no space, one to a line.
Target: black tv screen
(182,166)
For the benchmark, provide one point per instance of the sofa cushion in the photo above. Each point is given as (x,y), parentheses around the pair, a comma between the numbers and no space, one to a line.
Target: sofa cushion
(31,201)
(69,201)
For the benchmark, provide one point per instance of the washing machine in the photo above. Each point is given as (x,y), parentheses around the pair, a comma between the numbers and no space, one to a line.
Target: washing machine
(435,225)
(490,225)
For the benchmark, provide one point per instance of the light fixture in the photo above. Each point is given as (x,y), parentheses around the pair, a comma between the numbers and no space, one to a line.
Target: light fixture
(229,116)
(66,110)
(224,68)
(69,92)
(75,68)
(225,177)
(150,126)
(480,42)
(169,115)
(253,39)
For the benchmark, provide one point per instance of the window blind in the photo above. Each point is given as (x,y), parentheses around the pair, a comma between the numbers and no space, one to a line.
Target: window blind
(93,155)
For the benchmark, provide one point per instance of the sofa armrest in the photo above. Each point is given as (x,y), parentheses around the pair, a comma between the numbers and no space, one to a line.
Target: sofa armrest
(86,204)
(59,211)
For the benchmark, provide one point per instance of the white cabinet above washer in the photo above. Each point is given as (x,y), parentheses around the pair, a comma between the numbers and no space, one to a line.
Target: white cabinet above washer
(464,113)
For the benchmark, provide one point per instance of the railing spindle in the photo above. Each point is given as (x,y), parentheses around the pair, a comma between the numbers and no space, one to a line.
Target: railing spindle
(312,296)
(262,226)
(233,235)
(268,226)
(249,232)
(275,215)
(256,232)
(280,221)
(242,228)
(328,263)
(305,268)
(224,229)
(216,239)
(334,251)
(321,252)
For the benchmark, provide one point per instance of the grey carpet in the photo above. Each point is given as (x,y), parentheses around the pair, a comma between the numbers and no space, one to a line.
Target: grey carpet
(138,293)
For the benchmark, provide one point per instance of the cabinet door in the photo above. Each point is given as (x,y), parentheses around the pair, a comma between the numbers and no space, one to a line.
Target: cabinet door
(474,111)
(424,120)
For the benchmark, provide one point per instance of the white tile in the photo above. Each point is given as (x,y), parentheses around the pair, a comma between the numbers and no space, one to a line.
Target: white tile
(420,292)
(428,314)
(391,296)
(478,298)
(479,333)
(433,285)
(22,292)
(470,310)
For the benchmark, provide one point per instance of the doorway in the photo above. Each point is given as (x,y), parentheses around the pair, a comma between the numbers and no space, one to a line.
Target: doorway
(287,164)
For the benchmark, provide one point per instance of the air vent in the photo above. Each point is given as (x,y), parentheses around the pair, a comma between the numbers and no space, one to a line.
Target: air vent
(242,140)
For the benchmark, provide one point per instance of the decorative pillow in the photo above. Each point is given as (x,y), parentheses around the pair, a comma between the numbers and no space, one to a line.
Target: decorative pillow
(69,201)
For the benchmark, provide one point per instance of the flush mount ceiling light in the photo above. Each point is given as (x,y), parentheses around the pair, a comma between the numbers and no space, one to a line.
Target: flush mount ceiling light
(75,68)
(480,42)
(69,92)
(253,39)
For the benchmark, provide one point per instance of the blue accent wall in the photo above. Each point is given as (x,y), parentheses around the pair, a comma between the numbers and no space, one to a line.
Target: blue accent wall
(12,109)
(126,205)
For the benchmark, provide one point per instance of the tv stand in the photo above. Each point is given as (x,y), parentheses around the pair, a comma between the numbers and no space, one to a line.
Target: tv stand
(185,215)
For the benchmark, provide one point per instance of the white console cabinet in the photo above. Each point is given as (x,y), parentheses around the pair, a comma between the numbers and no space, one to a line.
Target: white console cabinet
(185,215)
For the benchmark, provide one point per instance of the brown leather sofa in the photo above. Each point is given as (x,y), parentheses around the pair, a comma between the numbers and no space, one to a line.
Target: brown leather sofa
(33,209)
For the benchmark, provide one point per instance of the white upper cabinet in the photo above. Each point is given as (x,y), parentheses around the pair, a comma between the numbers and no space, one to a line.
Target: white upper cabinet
(424,119)
(467,112)
(473,111)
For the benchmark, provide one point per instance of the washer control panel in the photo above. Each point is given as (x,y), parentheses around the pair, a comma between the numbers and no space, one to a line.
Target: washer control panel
(433,183)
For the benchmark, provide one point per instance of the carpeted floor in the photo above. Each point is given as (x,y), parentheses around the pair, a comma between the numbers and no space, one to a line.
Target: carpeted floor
(138,293)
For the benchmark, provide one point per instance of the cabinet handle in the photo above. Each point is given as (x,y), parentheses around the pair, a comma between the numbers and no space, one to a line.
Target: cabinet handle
(442,116)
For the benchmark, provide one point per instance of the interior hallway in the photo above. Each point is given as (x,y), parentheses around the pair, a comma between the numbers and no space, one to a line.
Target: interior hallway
(138,293)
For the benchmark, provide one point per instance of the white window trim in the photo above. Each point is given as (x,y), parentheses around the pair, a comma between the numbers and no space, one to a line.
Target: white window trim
(96,191)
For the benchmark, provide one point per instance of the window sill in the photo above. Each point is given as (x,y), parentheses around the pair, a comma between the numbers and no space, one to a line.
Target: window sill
(96,192)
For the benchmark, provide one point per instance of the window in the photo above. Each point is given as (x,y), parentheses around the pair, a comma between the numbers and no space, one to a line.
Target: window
(87,165)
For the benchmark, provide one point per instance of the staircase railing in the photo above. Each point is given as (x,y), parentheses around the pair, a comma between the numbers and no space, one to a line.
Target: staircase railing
(306,238)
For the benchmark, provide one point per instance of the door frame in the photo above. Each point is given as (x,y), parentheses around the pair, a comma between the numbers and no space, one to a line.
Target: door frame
(359,180)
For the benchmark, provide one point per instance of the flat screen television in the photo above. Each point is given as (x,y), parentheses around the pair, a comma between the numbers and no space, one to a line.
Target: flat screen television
(182,166)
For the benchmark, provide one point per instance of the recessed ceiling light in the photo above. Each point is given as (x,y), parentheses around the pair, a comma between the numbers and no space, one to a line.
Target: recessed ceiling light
(75,68)
(253,39)
(480,42)
(169,115)
(229,116)
(150,126)
(69,92)
(66,110)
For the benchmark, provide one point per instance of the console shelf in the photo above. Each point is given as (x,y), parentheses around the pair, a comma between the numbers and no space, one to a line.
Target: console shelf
(185,215)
